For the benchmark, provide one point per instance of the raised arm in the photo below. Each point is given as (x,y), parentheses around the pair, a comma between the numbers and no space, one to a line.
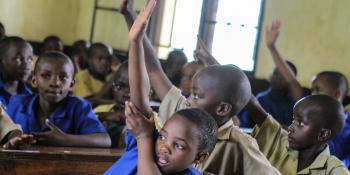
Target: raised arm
(203,55)
(272,33)
(159,81)
(138,123)
(256,111)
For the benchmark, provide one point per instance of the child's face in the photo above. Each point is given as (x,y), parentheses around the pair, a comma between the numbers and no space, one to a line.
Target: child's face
(305,128)
(177,145)
(320,86)
(100,62)
(53,80)
(18,63)
(277,81)
(188,72)
(121,89)
(204,94)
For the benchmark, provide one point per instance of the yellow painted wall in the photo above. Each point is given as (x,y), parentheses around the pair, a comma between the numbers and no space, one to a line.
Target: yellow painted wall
(69,19)
(315,35)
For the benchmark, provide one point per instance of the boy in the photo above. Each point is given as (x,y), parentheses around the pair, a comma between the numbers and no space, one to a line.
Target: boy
(303,149)
(79,54)
(113,114)
(52,116)
(90,81)
(333,84)
(187,73)
(188,136)
(174,63)
(52,43)
(221,91)
(15,66)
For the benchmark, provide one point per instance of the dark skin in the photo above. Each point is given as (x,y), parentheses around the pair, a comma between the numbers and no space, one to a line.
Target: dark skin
(306,134)
(54,80)
(17,66)
(142,127)
(158,79)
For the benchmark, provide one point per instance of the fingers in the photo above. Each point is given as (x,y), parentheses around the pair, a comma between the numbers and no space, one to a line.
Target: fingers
(51,126)
(18,141)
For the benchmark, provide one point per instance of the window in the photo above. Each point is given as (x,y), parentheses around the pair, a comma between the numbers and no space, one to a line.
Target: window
(236,31)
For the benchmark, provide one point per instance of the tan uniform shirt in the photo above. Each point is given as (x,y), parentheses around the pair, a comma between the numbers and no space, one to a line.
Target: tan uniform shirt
(6,124)
(235,151)
(273,142)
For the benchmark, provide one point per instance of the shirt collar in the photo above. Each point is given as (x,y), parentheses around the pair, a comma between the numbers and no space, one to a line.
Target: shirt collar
(225,130)
(60,111)
(319,162)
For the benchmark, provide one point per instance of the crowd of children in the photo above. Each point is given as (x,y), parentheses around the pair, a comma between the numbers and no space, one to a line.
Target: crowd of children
(93,99)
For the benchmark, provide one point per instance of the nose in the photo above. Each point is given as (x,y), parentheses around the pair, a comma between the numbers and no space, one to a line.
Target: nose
(55,81)
(291,128)
(164,148)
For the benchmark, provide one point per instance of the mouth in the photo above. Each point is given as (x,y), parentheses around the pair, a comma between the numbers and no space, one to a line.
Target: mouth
(54,93)
(162,161)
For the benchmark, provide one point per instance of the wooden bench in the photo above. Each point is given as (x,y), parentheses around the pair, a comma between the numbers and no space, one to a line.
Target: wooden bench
(43,160)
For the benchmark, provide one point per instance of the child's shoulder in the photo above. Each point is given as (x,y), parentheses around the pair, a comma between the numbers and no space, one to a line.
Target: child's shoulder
(75,100)
(21,99)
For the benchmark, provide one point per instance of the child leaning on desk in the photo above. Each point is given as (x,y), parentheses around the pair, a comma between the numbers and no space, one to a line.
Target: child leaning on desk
(52,116)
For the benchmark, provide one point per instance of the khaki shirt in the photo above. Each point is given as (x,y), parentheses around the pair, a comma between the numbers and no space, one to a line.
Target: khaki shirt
(273,142)
(234,153)
(6,124)
(86,85)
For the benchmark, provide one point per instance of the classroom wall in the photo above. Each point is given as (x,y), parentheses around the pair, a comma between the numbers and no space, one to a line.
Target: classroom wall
(69,19)
(315,35)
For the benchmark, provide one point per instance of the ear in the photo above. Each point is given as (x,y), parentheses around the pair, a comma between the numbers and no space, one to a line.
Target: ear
(224,109)
(201,157)
(324,134)
(34,82)
(72,83)
(339,95)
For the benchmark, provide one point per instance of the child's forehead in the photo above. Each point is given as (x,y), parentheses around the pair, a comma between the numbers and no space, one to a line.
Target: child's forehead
(61,63)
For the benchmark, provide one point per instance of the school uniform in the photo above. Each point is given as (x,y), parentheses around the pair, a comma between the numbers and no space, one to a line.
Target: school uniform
(339,146)
(6,124)
(235,152)
(273,142)
(278,103)
(127,164)
(73,115)
(86,85)
(5,95)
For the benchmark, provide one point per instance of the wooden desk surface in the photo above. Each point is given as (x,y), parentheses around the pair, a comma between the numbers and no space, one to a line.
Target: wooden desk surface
(57,160)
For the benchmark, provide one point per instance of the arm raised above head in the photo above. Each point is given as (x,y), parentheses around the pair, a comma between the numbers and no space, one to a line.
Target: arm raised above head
(272,33)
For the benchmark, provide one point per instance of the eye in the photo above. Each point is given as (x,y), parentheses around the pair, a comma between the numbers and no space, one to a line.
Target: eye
(46,76)
(179,146)
(30,59)
(299,122)
(194,97)
(161,137)
(63,77)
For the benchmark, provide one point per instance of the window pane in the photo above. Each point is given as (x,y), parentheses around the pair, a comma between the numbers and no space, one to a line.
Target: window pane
(236,31)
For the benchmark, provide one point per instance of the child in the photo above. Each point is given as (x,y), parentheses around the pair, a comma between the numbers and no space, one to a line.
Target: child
(14,72)
(174,63)
(89,82)
(79,54)
(222,91)
(330,83)
(2,31)
(335,84)
(52,43)
(303,149)
(52,116)
(188,71)
(113,114)
(189,136)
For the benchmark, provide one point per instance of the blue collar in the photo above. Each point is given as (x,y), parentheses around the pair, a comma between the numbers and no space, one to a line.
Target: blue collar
(59,112)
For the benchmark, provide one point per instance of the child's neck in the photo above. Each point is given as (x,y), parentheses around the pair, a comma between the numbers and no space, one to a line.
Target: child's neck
(44,110)
(11,86)
(97,75)
(307,156)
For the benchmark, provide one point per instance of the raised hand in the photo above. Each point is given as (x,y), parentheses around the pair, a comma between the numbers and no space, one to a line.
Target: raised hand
(272,33)
(19,141)
(138,28)
(203,55)
(52,137)
(140,126)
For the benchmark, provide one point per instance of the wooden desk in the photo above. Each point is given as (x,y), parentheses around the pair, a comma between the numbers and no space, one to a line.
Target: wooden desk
(42,160)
